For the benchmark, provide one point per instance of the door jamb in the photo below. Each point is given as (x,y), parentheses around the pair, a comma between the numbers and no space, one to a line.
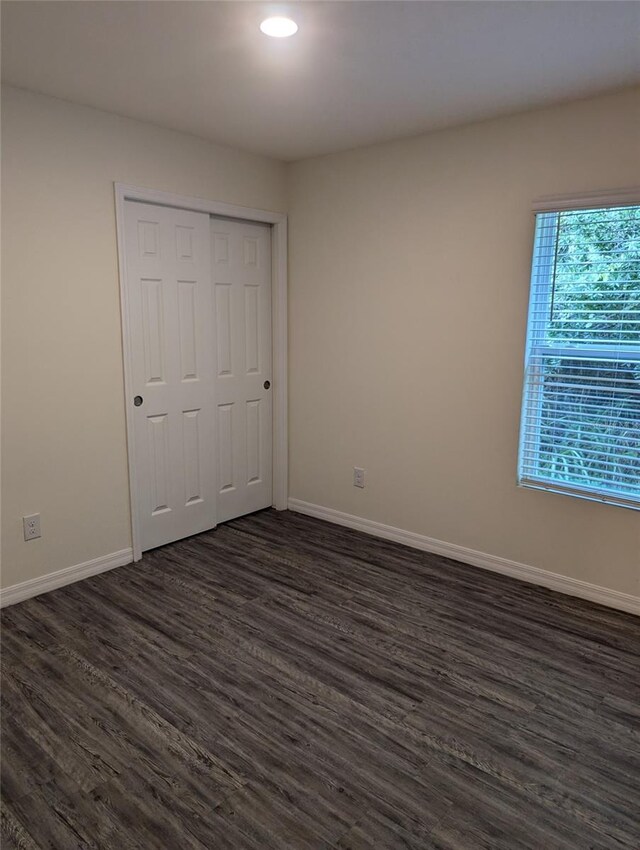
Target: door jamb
(278,220)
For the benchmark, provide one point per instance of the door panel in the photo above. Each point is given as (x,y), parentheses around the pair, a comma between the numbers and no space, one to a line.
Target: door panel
(223,327)
(187,297)
(169,292)
(241,268)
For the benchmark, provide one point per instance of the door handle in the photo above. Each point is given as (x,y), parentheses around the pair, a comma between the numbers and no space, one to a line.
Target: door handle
(266,385)
(138,400)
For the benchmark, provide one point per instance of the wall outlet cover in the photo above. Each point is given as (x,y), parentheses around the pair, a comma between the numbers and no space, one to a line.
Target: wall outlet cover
(31,526)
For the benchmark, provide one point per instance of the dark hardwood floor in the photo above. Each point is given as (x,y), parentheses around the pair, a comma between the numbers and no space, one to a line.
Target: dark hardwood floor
(285,683)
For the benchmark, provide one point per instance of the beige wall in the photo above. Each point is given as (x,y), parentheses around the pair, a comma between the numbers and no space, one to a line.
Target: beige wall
(408,300)
(64,450)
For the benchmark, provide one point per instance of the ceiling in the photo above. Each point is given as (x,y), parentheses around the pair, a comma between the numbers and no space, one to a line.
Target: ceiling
(355,73)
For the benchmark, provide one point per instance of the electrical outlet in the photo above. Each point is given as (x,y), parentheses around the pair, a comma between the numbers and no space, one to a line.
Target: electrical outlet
(31,526)
(358,477)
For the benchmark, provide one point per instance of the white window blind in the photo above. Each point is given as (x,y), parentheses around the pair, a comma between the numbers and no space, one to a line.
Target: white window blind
(580,431)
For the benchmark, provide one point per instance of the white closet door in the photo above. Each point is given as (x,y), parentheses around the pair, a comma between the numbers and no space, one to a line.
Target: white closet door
(170,296)
(241,265)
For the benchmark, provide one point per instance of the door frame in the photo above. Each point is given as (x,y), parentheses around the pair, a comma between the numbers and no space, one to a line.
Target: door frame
(278,222)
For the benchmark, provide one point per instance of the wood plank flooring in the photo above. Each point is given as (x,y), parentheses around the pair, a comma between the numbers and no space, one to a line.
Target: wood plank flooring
(286,683)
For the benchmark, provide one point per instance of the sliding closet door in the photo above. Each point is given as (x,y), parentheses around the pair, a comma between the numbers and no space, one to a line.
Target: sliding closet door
(170,309)
(241,267)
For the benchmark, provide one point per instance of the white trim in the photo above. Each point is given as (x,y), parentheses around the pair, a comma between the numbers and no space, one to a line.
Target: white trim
(126,192)
(280,366)
(589,494)
(588,200)
(278,220)
(533,575)
(36,586)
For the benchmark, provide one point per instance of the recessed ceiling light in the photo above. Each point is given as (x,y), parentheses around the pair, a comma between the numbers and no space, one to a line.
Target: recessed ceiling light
(279,27)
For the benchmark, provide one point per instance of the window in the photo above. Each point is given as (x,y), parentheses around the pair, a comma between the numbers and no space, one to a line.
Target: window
(580,431)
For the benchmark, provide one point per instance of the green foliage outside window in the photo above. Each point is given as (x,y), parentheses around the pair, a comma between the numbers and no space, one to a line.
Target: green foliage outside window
(590,410)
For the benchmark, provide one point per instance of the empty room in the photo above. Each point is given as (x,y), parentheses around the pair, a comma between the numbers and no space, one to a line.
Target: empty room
(320,425)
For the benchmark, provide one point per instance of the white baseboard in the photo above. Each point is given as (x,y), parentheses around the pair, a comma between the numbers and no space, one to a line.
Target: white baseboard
(524,572)
(35,586)
(533,575)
